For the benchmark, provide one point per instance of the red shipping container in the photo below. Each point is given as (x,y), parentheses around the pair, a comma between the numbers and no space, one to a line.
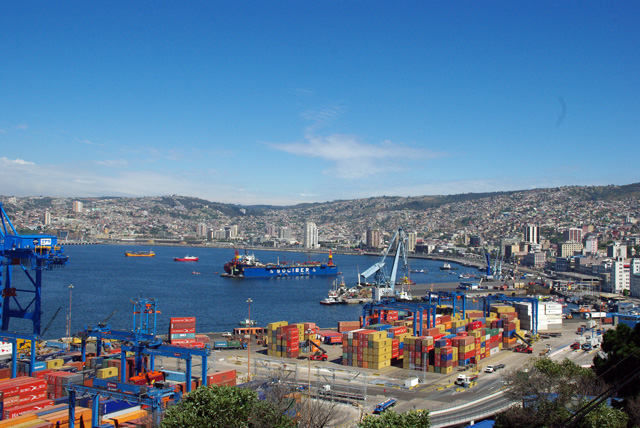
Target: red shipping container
(182,330)
(19,410)
(177,325)
(182,319)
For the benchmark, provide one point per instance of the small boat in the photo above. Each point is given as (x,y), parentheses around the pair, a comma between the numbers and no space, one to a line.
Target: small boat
(195,273)
(139,254)
(445,266)
(331,301)
(185,259)
(248,323)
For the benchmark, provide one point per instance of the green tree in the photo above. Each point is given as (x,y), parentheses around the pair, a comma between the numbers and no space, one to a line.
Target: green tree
(604,416)
(622,358)
(224,406)
(391,419)
(550,393)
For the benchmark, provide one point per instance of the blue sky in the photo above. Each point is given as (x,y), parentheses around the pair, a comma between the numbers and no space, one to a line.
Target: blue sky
(275,102)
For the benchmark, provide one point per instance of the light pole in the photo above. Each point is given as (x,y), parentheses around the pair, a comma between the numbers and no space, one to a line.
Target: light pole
(249,344)
(309,333)
(69,316)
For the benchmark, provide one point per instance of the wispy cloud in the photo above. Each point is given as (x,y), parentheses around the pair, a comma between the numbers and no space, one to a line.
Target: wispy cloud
(2,131)
(7,161)
(22,126)
(354,159)
(115,163)
(91,143)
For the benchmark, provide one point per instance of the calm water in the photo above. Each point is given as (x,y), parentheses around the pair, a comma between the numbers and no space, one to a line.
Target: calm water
(105,280)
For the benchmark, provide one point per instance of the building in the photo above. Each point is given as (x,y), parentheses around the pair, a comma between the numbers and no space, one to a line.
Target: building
(284,232)
(620,278)
(47,218)
(412,240)
(617,250)
(310,236)
(573,234)
(77,206)
(535,260)
(201,229)
(231,232)
(634,278)
(591,244)
(475,241)
(373,238)
(568,249)
(532,234)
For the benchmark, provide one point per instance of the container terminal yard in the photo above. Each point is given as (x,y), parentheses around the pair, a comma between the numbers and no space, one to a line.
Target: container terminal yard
(432,353)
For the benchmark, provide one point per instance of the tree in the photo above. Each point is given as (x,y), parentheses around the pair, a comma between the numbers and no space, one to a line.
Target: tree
(391,419)
(622,357)
(549,392)
(224,406)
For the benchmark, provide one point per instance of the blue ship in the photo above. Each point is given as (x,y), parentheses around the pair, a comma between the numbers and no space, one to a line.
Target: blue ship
(247,266)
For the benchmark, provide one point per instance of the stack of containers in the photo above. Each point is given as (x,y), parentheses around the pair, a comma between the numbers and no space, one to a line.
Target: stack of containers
(284,340)
(23,394)
(182,331)
(494,341)
(272,342)
(344,326)
(445,356)
(418,353)
(466,346)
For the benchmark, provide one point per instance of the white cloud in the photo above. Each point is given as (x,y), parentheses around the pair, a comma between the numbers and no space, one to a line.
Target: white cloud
(91,143)
(112,162)
(22,126)
(7,161)
(353,159)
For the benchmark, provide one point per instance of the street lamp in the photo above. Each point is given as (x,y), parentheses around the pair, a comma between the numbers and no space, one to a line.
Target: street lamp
(309,333)
(69,316)
(249,345)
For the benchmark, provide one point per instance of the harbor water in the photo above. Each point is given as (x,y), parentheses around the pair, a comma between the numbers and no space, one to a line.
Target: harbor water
(104,280)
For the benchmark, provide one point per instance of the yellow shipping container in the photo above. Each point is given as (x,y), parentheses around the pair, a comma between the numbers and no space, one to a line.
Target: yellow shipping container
(107,372)
(274,325)
(57,362)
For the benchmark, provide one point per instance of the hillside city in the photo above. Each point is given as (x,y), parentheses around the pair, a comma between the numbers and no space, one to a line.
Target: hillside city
(559,229)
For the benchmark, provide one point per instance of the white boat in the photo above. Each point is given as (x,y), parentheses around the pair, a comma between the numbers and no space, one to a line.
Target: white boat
(445,266)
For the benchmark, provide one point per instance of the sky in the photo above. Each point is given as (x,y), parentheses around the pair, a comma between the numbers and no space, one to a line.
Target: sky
(284,102)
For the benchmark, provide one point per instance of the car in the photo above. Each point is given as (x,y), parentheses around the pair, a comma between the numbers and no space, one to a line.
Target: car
(226,334)
(575,345)
(489,369)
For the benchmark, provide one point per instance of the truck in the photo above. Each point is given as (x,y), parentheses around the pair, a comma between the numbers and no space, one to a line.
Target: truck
(320,354)
(464,380)
(381,407)
(524,349)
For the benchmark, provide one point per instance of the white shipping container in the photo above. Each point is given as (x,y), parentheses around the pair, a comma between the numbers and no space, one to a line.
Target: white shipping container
(553,311)
(554,321)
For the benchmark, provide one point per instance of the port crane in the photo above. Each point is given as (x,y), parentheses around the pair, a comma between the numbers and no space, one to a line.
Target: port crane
(384,283)
(26,253)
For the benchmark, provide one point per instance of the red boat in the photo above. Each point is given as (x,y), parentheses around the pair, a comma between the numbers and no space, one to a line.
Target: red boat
(185,259)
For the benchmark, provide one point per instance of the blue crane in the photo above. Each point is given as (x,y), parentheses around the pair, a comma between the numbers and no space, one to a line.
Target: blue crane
(24,253)
(390,304)
(383,281)
(502,298)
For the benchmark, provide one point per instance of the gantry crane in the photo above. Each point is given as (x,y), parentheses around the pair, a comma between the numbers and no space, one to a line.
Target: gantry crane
(26,253)
(383,283)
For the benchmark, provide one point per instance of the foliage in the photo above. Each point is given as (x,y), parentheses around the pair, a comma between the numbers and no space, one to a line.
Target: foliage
(224,406)
(604,416)
(622,348)
(391,419)
(550,393)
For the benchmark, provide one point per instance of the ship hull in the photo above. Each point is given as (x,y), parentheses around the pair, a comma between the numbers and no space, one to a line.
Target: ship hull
(283,271)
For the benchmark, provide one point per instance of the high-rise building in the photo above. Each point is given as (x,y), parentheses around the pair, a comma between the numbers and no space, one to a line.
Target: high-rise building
(77,206)
(373,238)
(231,231)
(201,229)
(617,250)
(412,239)
(532,234)
(47,218)
(284,232)
(591,244)
(573,234)
(310,236)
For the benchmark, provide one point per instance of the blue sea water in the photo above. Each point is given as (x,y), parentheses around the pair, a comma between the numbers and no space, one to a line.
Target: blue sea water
(105,280)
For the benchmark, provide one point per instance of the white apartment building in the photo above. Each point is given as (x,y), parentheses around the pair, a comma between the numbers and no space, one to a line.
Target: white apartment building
(412,239)
(310,236)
